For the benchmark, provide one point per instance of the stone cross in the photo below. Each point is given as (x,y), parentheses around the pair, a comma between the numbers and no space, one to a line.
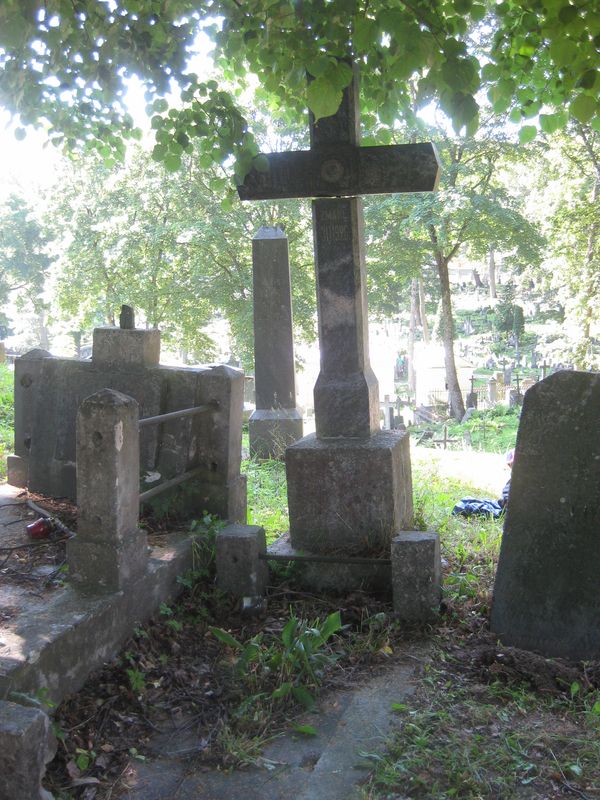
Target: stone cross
(335,170)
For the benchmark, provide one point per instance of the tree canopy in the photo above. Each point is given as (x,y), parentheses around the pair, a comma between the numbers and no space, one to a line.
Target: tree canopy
(65,63)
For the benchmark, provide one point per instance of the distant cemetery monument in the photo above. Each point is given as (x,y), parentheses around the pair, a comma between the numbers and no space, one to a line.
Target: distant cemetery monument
(276,422)
(546,595)
(349,485)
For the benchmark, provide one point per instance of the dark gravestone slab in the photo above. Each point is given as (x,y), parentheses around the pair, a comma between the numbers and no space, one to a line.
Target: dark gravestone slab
(547,591)
(276,421)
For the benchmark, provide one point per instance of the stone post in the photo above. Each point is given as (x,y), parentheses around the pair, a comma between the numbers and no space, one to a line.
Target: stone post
(492,388)
(416,575)
(26,746)
(109,550)
(276,422)
(28,370)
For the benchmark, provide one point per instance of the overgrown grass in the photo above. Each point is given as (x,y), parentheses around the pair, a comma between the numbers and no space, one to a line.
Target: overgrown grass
(267,496)
(6,416)
(493,431)
(460,739)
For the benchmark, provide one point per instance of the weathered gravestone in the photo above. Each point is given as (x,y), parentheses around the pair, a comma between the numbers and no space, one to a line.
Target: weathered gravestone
(547,590)
(349,485)
(276,422)
(49,392)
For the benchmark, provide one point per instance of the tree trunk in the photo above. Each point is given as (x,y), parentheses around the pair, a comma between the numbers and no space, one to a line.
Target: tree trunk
(414,294)
(477,279)
(492,274)
(423,313)
(457,406)
(43,331)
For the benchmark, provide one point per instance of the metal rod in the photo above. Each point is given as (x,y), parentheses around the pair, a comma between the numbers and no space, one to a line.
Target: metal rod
(185,412)
(384,562)
(162,487)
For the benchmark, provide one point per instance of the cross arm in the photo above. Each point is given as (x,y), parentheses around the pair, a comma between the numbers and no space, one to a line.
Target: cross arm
(344,171)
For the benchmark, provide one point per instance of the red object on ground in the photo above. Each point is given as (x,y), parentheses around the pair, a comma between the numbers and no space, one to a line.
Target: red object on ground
(40,529)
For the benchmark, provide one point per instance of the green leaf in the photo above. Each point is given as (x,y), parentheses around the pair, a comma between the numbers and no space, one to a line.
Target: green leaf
(460,74)
(260,163)
(282,691)
(305,730)
(172,162)
(527,134)
(583,107)
(550,123)
(464,109)
(567,14)
(399,706)
(332,624)
(20,134)
(318,66)
(563,51)
(339,74)
(490,72)
(159,106)
(323,98)
(364,33)
(587,80)
(288,632)
(226,638)
(515,115)
(303,696)
(478,12)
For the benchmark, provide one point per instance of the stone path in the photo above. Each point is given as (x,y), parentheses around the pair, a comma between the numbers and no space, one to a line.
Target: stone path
(328,766)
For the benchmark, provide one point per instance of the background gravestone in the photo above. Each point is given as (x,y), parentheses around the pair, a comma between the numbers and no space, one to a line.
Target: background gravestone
(276,422)
(49,392)
(547,590)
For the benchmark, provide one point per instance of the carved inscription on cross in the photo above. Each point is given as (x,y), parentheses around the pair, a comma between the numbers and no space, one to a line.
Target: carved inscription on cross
(337,168)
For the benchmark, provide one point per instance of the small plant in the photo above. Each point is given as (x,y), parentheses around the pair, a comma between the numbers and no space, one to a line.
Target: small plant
(137,680)
(84,759)
(295,662)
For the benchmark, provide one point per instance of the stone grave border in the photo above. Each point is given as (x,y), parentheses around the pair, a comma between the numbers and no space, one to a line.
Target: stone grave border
(116,584)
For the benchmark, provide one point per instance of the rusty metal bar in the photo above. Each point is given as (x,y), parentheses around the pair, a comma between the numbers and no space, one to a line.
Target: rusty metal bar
(185,412)
(162,487)
(384,562)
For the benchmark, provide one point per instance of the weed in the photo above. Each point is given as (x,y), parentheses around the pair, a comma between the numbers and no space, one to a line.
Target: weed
(137,680)
(295,662)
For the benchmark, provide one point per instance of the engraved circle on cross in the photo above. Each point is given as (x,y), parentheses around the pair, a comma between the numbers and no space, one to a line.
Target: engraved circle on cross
(332,170)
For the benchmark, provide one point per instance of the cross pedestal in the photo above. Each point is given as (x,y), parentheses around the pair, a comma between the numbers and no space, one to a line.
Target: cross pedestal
(349,484)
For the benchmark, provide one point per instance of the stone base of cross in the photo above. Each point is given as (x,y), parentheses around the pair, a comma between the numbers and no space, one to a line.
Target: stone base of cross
(349,485)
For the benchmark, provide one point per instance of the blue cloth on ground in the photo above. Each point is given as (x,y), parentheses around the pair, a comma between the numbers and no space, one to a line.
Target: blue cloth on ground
(472,507)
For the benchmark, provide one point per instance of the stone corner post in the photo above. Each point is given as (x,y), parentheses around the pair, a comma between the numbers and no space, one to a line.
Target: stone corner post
(109,551)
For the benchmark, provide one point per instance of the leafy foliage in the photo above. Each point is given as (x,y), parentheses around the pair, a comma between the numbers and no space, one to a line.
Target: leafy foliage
(67,64)
(23,257)
(172,247)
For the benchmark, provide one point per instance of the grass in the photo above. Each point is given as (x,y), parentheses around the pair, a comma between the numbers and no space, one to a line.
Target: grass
(267,495)
(493,431)
(6,416)
(461,739)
